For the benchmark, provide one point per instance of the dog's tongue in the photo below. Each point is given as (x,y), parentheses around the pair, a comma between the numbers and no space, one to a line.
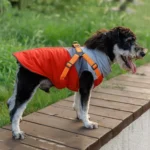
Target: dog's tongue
(132,65)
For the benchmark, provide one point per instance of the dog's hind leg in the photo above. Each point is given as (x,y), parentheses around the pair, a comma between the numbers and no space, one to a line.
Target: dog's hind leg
(26,85)
(86,83)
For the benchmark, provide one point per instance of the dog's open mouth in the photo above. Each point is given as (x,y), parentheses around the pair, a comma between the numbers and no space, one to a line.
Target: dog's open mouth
(129,64)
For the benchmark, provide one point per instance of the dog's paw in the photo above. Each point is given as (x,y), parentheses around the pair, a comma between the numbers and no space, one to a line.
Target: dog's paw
(91,125)
(18,135)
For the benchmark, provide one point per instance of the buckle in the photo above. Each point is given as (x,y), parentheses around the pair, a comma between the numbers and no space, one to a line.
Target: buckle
(75,44)
(94,66)
(68,64)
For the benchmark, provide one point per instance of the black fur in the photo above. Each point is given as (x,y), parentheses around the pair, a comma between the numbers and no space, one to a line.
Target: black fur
(85,85)
(26,83)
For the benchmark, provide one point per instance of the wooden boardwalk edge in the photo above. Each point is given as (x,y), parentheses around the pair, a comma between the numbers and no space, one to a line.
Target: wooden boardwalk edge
(114,105)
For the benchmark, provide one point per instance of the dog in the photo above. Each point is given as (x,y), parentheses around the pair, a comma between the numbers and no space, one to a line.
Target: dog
(105,46)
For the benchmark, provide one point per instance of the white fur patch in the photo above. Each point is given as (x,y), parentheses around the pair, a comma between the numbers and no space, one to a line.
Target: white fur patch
(16,118)
(11,100)
(84,113)
(118,52)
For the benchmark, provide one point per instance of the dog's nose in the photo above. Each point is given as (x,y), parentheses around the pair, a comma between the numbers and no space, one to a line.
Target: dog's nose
(142,54)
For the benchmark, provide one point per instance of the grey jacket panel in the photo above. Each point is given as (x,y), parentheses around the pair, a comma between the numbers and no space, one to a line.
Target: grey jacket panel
(98,57)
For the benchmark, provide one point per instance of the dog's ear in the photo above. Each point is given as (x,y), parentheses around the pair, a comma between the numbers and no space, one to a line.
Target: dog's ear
(97,40)
(113,34)
(123,32)
(120,31)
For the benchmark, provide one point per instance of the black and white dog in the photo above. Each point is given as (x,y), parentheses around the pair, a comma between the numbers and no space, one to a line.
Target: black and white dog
(119,45)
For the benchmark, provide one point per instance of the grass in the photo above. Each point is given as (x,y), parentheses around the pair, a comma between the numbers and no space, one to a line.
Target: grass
(61,26)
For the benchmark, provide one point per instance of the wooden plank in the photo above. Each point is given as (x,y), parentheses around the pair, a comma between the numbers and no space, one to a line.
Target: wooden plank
(133,76)
(142,72)
(136,110)
(125,122)
(129,83)
(102,134)
(6,142)
(122,93)
(125,78)
(127,88)
(112,105)
(44,144)
(120,99)
(68,113)
(115,98)
(147,64)
(66,125)
(144,68)
(138,102)
(105,112)
(61,137)
(136,89)
(30,142)
(1,130)
(4,146)
(136,76)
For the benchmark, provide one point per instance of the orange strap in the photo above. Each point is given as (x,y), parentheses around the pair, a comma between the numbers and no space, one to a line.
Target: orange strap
(73,60)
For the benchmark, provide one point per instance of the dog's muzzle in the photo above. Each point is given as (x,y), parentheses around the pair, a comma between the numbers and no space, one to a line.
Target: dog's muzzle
(141,52)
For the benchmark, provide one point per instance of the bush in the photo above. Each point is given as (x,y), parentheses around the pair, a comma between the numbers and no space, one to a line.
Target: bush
(4,5)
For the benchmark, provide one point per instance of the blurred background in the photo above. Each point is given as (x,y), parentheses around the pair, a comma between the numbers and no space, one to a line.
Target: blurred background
(26,24)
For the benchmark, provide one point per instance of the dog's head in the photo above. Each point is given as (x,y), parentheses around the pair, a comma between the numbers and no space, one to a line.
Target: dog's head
(119,44)
(126,49)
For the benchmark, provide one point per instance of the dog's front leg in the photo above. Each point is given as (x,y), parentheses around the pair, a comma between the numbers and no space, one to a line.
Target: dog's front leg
(85,101)
(86,84)
(77,105)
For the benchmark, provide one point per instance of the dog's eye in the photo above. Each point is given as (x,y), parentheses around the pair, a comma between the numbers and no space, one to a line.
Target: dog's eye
(136,49)
(130,42)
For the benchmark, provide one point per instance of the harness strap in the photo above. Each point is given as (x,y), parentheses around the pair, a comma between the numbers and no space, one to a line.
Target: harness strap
(73,60)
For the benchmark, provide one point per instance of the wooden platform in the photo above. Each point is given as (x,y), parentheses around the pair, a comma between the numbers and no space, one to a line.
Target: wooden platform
(114,105)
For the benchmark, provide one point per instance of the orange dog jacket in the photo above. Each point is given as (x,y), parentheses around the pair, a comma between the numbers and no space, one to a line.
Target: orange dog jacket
(50,63)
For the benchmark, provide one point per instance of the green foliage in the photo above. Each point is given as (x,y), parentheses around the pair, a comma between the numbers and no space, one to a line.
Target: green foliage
(66,22)
(4,5)
(51,6)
